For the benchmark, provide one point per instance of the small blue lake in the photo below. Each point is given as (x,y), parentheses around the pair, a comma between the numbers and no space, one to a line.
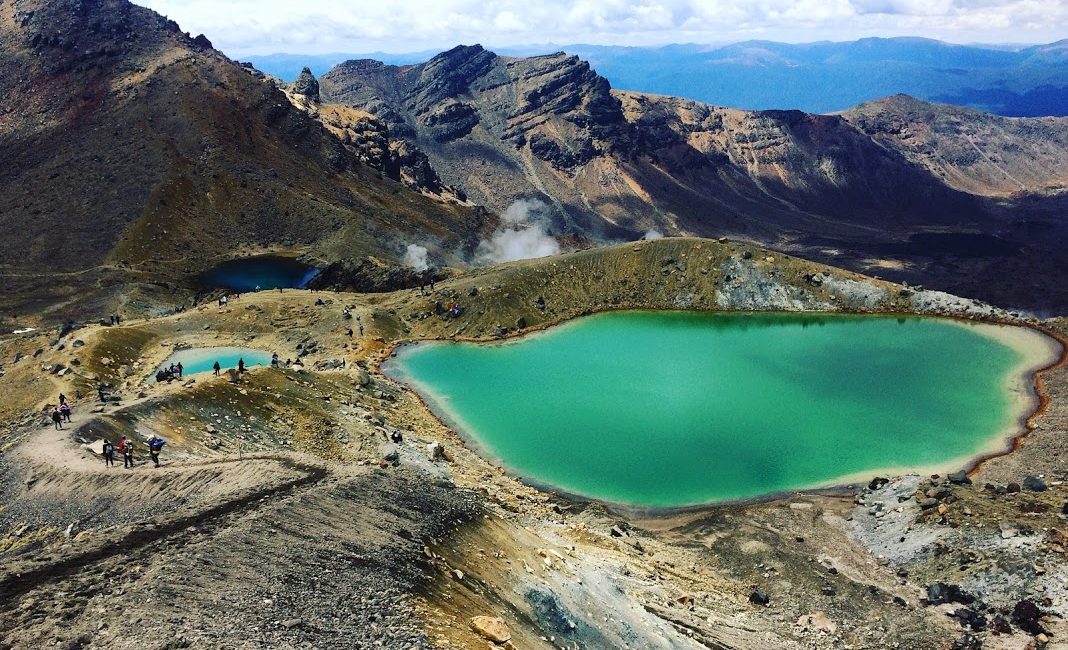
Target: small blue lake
(260,272)
(197,360)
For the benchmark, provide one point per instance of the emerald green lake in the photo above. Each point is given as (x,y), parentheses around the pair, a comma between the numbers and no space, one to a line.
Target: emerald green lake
(670,409)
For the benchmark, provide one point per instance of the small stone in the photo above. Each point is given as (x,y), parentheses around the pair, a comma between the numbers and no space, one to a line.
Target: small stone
(1008,530)
(492,628)
(291,623)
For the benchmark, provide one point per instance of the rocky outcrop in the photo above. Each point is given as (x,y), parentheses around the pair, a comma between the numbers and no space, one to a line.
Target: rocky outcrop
(845,189)
(306,85)
(369,276)
(972,151)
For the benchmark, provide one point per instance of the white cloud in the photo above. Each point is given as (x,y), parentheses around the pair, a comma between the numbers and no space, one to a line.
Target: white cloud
(316,26)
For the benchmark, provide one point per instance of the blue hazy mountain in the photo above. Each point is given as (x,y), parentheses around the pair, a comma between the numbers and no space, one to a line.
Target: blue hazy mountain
(288,66)
(818,77)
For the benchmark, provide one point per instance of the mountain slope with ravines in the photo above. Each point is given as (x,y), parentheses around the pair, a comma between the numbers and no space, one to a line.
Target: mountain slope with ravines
(135,155)
(916,191)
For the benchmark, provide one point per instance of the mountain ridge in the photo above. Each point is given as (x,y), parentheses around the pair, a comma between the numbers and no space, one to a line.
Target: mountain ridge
(817,77)
(141,153)
(614,164)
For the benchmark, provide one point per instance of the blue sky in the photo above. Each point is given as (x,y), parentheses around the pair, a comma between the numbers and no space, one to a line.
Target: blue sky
(241,27)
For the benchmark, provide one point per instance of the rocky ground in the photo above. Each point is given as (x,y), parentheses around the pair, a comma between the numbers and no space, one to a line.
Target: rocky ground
(284,516)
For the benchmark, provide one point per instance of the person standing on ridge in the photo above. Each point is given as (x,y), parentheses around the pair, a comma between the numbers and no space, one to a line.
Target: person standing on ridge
(109,453)
(217,368)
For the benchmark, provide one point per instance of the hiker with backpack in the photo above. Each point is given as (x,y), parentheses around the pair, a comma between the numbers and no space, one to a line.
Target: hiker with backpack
(57,418)
(126,449)
(109,453)
(64,411)
(155,445)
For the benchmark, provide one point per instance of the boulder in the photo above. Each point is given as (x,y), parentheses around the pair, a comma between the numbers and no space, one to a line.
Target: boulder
(1034,484)
(362,377)
(1026,615)
(877,483)
(759,597)
(940,593)
(491,628)
(959,478)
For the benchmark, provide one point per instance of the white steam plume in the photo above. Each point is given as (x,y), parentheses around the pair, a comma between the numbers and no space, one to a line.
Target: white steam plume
(415,257)
(653,234)
(522,235)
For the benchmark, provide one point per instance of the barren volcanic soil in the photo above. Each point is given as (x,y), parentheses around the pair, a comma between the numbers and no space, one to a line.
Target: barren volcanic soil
(284,516)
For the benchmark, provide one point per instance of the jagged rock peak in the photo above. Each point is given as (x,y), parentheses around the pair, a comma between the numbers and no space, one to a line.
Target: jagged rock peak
(307,85)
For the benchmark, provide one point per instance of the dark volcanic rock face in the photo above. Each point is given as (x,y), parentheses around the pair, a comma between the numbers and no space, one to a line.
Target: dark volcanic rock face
(306,85)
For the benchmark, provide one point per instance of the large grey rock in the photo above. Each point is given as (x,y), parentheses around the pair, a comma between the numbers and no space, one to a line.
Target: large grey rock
(1034,484)
(307,85)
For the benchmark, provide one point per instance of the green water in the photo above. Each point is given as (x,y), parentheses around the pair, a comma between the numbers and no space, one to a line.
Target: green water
(662,409)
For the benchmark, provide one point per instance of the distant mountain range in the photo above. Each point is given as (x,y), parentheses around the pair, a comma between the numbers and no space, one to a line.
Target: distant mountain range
(819,77)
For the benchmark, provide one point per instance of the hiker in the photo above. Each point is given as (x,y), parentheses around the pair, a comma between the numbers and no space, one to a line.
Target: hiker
(109,453)
(319,302)
(361,328)
(112,319)
(64,411)
(274,360)
(217,368)
(241,364)
(155,445)
(180,369)
(57,418)
(62,398)
(101,393)
(431,284)
(349,332)
(126,449)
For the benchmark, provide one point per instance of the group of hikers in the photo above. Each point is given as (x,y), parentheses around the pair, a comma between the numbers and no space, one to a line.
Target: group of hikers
(173,372)
(126,448)
(60,412)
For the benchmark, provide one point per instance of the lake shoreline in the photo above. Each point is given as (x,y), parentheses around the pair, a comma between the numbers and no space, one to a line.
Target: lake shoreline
(1028,407)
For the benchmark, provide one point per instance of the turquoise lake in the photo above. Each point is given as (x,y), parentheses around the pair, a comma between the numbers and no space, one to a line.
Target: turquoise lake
(671,409)
(197,360)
